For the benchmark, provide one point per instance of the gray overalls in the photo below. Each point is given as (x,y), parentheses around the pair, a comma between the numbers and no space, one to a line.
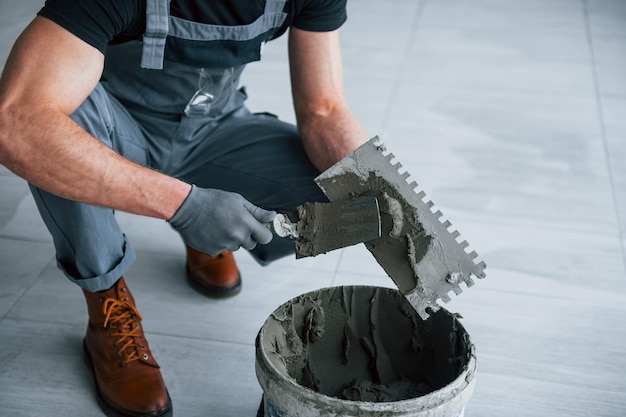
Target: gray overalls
(180,110)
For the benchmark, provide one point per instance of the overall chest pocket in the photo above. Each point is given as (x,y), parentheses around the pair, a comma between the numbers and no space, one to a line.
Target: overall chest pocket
(216,46)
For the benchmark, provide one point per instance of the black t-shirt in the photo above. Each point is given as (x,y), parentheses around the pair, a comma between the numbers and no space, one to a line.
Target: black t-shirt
(100,22)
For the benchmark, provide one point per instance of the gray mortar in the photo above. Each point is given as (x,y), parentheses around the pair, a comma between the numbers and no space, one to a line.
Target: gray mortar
(404,241)
(394,209)
(364,345)
(322,227)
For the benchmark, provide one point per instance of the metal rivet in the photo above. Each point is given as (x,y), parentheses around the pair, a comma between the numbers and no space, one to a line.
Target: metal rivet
(145,356)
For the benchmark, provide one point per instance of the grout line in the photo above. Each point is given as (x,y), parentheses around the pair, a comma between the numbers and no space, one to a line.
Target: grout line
(202,339)
(600,115)
(25,239)
(333,281)
(402,65)
(148,332)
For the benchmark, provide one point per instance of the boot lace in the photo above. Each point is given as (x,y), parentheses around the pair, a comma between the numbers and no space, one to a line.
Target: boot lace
(123,320)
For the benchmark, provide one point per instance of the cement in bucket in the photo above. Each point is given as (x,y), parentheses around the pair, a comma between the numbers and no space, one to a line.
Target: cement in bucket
(362,351)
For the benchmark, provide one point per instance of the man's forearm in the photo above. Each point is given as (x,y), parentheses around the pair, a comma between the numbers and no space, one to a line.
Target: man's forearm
(48,149)
(328,128)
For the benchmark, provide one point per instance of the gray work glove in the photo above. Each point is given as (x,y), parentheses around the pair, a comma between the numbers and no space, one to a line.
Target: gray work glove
(212,221)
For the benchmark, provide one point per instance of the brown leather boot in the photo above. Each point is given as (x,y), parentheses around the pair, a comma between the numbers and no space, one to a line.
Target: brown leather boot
(128,379)
(214,276)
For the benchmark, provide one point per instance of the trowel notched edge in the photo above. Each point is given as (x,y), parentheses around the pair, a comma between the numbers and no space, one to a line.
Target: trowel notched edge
(417,249)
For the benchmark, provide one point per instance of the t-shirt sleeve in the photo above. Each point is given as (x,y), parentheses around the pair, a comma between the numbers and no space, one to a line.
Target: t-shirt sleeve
(321,15)
(98,22)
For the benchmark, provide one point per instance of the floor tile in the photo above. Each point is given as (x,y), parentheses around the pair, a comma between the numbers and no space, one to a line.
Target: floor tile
(233,320)
(384,27)
(203,378)
(14,190)
(610,64)
(13,20)
(614,117)
(21,263)
(505,15)
(42,371)
(474,57)
(519,397)
(170,306)
(4,171)
(268,84)
(505,157)
(548,315)
(208,378)
(19,217)
(607,16)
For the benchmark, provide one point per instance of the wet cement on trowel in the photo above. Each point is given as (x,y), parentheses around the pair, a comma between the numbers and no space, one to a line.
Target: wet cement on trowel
(322,227)
(364,344)
(404,241)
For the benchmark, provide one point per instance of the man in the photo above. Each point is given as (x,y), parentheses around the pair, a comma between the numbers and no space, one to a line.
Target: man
(134,105)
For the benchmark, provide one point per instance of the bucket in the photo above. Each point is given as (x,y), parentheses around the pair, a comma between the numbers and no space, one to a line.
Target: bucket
(362,351)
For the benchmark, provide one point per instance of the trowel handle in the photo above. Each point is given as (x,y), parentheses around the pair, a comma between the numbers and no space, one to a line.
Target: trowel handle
(283,227)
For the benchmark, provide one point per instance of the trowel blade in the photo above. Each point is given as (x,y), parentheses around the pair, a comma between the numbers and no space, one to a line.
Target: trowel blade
(416,249)
(323,227)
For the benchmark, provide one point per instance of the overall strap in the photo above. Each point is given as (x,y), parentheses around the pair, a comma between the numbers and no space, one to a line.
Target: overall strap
(274,6)
(272,17)
(157,28)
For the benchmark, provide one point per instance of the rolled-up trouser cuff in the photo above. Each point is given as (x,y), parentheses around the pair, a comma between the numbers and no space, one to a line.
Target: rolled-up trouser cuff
(107,280)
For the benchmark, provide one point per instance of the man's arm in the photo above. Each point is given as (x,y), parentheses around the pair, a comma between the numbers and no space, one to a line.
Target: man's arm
(49,73)
(328,127)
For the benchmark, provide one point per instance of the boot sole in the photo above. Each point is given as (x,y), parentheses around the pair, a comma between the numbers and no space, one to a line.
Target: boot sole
(212,291)
(109,408)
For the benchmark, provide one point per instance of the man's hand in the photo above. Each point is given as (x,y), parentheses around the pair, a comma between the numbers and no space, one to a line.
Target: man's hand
(212,221)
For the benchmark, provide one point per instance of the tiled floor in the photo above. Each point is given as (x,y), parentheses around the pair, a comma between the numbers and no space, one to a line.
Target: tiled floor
(511,116)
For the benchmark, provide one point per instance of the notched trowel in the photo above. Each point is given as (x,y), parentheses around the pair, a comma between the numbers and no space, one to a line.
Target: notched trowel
(323,227)
(416,248)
